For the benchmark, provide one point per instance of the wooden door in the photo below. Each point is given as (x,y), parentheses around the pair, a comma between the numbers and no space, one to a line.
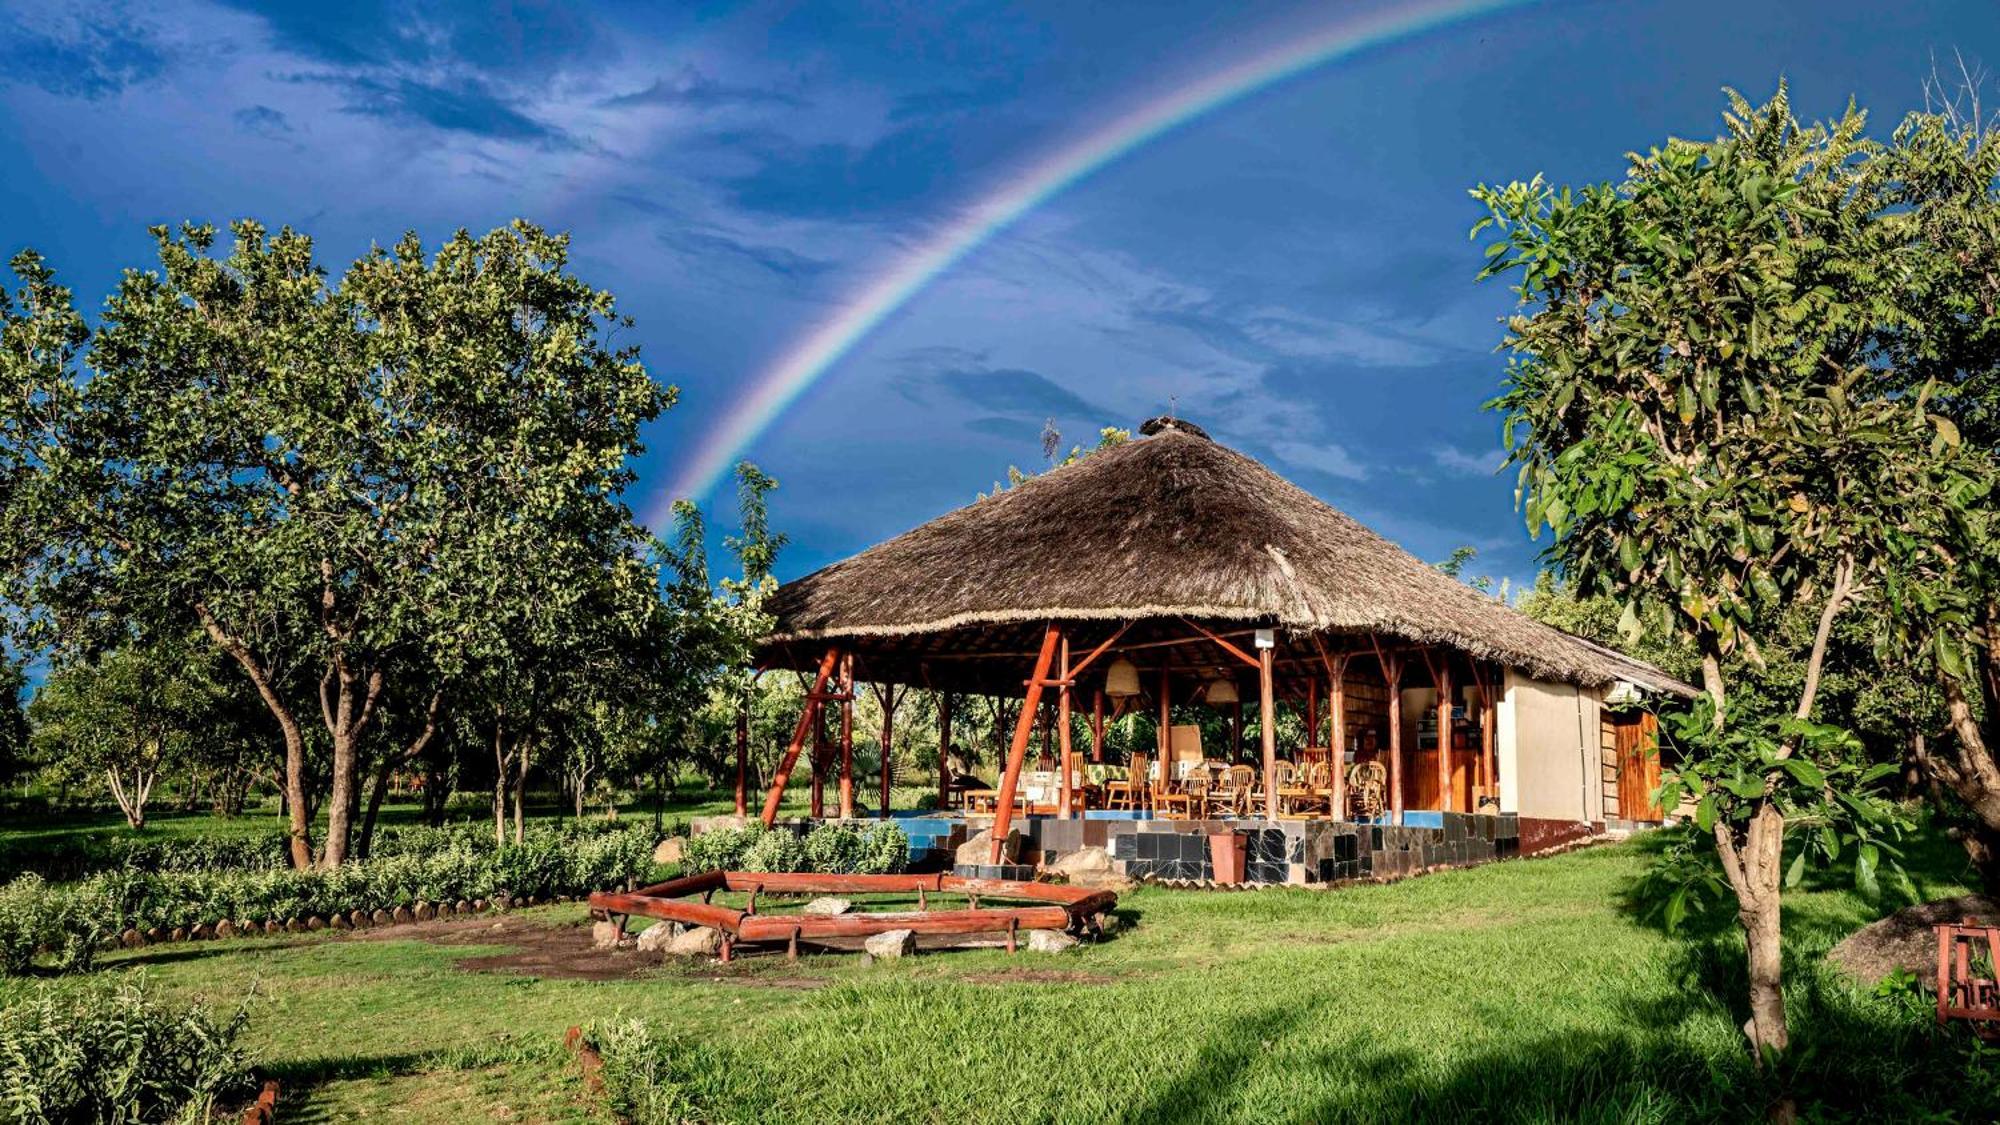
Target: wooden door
(1638,765)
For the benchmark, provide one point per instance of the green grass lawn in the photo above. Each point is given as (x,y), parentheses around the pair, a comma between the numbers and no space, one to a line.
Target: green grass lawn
(1517,991)
(1524,990)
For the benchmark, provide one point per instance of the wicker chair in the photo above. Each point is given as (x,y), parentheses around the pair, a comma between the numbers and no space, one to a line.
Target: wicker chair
(1368,789)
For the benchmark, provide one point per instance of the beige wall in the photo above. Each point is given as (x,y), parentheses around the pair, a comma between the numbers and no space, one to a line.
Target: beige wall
(1549,750)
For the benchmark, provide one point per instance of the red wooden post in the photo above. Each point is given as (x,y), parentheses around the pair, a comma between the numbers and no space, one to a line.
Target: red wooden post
(1062,739)
(1165,739)
(1443,678)
(847,735)
(1489,717)
(944,751)
(743,759)
(1336,687)
(791,757)
(816,807)
(1392,675)
(1024,726)
(1267,716)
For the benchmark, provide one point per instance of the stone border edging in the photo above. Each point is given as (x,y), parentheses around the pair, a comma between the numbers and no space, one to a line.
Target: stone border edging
(408,913)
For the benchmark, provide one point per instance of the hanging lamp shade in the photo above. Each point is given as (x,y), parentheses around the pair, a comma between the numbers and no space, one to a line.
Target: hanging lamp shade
(1121,679)
(1221,690)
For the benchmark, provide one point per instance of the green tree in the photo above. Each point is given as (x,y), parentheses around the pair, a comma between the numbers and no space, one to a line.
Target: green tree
(335,483)
(128,719)
(1686,402)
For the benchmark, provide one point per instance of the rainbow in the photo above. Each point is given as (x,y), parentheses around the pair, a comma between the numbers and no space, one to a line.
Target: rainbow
(811,356)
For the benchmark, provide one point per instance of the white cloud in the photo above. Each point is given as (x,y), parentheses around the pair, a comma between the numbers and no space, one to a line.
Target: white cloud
(1466,463)
(1322,456)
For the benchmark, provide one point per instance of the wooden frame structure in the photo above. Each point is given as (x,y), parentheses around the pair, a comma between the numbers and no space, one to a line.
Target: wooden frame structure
(1176,654)
(1046,907)
(1960,993)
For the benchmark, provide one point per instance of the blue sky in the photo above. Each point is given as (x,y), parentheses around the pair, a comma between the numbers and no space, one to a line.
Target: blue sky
(1291,271)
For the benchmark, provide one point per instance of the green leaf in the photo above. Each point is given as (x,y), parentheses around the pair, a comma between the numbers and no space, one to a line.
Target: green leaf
(1796,873)
(1676,909)
(1805,772)
(1704,814)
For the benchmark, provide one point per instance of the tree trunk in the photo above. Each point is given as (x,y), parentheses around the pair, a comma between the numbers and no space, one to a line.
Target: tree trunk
(1755,871)
(1972,773)
(501,774)
(392,763)
(526,754)
(299,827)
(132,798)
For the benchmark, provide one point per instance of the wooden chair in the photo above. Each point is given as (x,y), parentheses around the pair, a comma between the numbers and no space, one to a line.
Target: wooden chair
(1963,952)
(1169,798)
(1368,789)
(1128,793)
(1313,796)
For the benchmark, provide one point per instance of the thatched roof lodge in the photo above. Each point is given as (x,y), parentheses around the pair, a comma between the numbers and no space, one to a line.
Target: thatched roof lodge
(1193,565)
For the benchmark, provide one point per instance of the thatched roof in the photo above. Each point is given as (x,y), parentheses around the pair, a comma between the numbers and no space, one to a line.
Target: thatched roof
(1169,526)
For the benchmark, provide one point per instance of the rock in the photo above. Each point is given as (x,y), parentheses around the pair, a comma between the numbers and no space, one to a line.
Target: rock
(425,912)
(155,935)
(699,941)
(339,922)
(131,939)
(1905,939)
(891,944)
(604,935)
(273,926)
(827,905)
(479,906)
(701,824)
(179,934)
(463,907)
(503,901)
(225,929)
(1050,941)
(294,926)
(200,932)
(669,850)
(656,937)
(1083,861)
(381,917)
(1103,881)
(246,927)
(977,851)
(359,919)
(1111,923)
(402,915)
(315,923)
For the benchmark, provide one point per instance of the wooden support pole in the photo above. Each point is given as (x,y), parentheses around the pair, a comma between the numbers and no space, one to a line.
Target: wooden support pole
(1024,726)
(944,750)
(1267,717)
(1236,732)
(1392,675)
(885,694)
(1066,809)
(847,736)
(1165,740)
(743,759)
(816,807)
(1097,726)
(806,721)
(1489,714)
(1443,677)
(1336,698)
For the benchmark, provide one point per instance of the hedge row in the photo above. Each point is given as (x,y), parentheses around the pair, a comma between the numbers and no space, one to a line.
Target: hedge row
(70,922)
(265,850)
(831,847)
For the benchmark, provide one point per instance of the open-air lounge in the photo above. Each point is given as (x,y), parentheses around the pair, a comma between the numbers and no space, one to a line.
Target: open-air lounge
(1425,723)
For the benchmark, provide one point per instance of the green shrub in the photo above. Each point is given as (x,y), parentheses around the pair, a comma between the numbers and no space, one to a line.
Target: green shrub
(34,917)
(641,1080)
(778,850)
(885,849)
(834,849)
(107,1052)
(720,850)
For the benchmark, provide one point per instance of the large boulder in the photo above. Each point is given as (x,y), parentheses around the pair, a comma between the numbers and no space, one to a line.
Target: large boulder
(893,943)
(697,941)
(1050,941)
(700,824)
(1103,881)
(669,850)
(1082,861)
(827,905)
(1905,939)
(656,937)
(977,851)
(604,935)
